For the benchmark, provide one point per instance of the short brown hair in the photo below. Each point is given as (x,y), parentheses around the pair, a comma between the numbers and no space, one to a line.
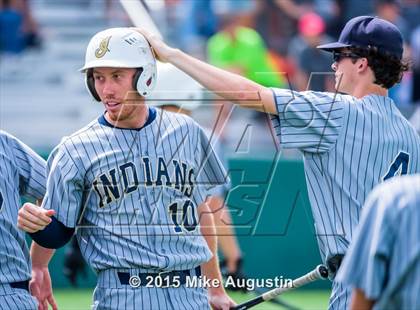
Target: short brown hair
(387,68)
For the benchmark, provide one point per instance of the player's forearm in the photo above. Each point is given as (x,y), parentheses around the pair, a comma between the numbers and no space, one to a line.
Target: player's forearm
(227,85)
(208,229)
(40,256)
(54,235)
(359,301)
(210,269)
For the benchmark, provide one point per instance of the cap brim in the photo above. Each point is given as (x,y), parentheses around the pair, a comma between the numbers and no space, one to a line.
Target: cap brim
(332,46)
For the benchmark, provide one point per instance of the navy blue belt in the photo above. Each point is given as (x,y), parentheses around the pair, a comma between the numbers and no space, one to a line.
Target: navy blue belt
(170,278)
(21,284)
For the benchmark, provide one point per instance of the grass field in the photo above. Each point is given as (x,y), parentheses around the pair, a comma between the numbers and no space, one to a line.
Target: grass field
(81,299)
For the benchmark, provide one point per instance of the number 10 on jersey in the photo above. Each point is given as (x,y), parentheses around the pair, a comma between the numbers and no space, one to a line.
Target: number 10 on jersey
(183,215)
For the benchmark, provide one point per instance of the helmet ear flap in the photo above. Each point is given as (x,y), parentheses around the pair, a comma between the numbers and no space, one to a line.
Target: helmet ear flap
(136,78)
(145,79)
(90,85)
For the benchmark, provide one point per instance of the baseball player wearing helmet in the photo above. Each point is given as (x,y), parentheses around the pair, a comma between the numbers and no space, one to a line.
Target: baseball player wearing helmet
(134,182)
(185,97)
(350,142)
(383,261)
(22,173)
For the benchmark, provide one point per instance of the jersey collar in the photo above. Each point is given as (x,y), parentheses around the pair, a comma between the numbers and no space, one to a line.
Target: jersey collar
(151,117)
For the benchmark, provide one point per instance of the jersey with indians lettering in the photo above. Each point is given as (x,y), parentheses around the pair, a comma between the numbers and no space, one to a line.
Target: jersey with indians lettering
(349,145)
(22,173)
(133,195)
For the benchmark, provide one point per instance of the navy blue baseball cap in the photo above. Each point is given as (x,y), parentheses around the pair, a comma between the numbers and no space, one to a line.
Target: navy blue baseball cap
(369,31)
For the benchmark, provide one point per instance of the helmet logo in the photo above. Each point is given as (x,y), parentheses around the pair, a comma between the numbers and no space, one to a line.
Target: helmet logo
(103,48)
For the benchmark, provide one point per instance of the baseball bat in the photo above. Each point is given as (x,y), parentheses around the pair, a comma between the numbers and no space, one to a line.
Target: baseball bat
(276,300)
(139,16)
(320,272)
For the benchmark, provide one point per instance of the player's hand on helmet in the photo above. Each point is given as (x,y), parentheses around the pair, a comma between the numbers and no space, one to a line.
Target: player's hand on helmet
(32,218)
(41,288)
(219,300)
(161,50)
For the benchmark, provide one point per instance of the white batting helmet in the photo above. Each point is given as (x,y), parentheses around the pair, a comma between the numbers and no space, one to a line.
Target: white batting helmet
(174,87)
(121,48)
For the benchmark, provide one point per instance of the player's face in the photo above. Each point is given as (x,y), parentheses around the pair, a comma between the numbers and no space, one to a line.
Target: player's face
(115,88)
(345,71)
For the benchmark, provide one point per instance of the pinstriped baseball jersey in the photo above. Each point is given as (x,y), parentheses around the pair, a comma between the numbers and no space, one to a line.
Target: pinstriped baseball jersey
(16,299)
(22,173)
(151,298)
(383,259)
(349,145)
(110,294)
(133,194)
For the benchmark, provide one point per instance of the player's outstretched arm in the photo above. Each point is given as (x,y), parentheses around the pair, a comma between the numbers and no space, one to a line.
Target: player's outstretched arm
(32,218)
(217,294)
(40,284)
(227,85)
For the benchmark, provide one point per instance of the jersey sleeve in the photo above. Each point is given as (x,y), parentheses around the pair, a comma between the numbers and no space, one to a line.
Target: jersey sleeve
(31,168)
(211,173)
(308,121)
(64,186)
(365,263)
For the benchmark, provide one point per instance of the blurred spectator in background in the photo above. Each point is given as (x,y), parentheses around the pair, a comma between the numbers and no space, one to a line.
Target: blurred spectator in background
(410,10)
(415,56)
(201,24)
(275,27)
(313,66)
(390,10)
(30,27)
(276,20)
(190,24)
(352,8)
(12,39)
(240,49)
(327,9)
(18,29)
(415,93)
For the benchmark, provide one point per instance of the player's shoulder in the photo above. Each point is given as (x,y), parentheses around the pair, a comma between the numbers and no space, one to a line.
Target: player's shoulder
(397,194)
(80,135)
(178,119)
(71,143)
(399,184)
(6,137)
(330,97)
(6,141)
(285,95)
(10,141)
